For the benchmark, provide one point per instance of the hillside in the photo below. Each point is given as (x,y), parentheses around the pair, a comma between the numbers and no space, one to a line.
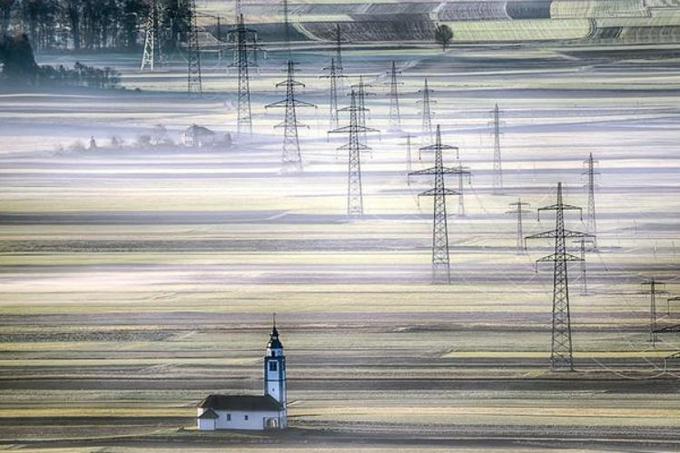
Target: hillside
(596,21)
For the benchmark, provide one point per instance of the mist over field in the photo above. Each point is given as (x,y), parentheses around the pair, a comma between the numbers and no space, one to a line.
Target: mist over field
(138,273)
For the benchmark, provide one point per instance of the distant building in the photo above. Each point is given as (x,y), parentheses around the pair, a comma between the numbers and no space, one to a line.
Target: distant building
(198,136)
(251,412)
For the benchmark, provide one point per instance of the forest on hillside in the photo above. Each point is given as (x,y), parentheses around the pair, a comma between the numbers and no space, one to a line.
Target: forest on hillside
(92,24)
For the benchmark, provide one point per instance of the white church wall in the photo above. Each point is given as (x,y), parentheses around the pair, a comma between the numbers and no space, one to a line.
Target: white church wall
(250,420)
(206,424)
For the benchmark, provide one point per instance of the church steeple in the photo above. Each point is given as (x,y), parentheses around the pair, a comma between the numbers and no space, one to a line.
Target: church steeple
(274,342)
(275,367)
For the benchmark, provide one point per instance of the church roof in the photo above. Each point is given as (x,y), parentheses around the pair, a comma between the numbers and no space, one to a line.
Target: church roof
(209,414)
(241,403)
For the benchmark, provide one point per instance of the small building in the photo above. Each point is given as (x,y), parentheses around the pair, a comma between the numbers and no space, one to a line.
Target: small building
(251,412)
(198,136)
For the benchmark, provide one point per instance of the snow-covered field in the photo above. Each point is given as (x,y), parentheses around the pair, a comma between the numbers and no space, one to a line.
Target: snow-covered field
(136,280)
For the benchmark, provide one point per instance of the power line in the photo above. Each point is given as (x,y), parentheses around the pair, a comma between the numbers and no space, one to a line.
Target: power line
(194,78)
(441,266)
(653,291)
(669,300)
(591,225)
(238,11)
(462,173)
(152,54)
(244,120)
(338,50)
(333,77)
(286,24)
(291,158)
(395,115)
(427,136)
(583,267)
(409,157)
(360,89)
(520,212)
(355,197)
(561,351)
(497,162)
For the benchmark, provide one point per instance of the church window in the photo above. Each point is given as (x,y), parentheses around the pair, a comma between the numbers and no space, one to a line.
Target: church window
(272,366)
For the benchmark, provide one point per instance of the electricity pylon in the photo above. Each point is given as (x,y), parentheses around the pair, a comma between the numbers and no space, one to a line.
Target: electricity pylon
(441,266)
(462,172)
(360,89)
(339,66)
(427,132)
(238,11)
(584,277)
(333,77)
(561,351)
(338,49)
(355,198)
(409,157)
(286,28)
(238,16)
(241,34)
(153,54)
(591,225)
(653,291)
(194,78)
(497,162)
(291,158)
(519,211)
(395,115)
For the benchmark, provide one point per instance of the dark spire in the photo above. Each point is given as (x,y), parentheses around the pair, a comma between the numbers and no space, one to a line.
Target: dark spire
(274,342)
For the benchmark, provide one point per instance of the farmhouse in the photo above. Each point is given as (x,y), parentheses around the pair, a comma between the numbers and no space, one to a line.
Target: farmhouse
(198,137)
(251,412)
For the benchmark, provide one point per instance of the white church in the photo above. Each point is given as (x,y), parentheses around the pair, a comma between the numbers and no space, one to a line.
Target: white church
(251,412)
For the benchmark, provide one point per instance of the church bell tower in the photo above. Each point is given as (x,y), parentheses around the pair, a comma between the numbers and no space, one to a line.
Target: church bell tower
(275,368)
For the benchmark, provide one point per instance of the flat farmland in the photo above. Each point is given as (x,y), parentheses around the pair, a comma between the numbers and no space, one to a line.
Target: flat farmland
(134,281)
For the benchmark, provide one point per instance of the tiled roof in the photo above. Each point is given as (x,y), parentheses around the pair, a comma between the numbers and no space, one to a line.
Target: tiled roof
(241,403)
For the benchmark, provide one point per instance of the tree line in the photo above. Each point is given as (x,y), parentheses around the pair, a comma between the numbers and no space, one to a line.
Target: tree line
(19,69)
(92,24)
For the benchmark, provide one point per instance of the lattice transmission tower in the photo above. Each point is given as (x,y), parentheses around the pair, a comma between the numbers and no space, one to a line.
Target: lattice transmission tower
(591,225)
(561,350)
(286,28)
(520,209)
(497,161)
(152,55)
(291,159)
(655,288)
(333,77)
(395,115)
(409,157)
(238,11)
(583,247)
(194,77)
(463,173)
(441,265)
(361,93)
(338,49)
(355,197)
(241,36)
(427,136)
